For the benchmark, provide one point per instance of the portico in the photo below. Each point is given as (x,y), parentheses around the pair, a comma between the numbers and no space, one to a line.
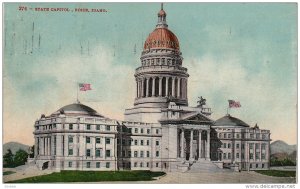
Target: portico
(193,142)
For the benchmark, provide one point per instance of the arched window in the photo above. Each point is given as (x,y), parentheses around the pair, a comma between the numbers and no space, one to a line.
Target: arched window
(144,87)
(176,87)
(169,87)
(156,86)
(163,87)
(150,87)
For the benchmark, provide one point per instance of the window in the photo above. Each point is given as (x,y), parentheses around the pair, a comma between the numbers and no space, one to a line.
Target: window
(256,146)
(88,164)
(157,143)
(142,153)
(98,152)
(157,164)
(147,164)
(70,126)
(251,136)
(107,127)
(141,164)
(263,156)
(263,165)
(243,156)
(157,153)
(142,142)
(98,140)
(157,131)
(243,135)
(135,130)
(250,165)
(229,135)
(224,145)
(251,145)
(263,146)
(129,153)
(263,136)
(256,165)
(107,165)
(135,142)
(251,155)
(237,145)
(148,142)
(97,164)
(135,164)
(148,131)
(224,156)
(229,145)
(70,139)
(88,139)
(148,154)
(142,130)
(88,127)
(130,130)
(225,135)
(88,152)
(98,128)
(107,153)
(70,163)
(237,155)
(123,142)
(257,155)
(257,136)
(237,135)
(70,152)
(135,153)
(107,140)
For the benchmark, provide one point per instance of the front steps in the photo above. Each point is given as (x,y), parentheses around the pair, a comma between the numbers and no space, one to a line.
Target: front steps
(205,166)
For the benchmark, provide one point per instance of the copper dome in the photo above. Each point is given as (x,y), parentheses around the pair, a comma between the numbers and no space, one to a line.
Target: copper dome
(162,38)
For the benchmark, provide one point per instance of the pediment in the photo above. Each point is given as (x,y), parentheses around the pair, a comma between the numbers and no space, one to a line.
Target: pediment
(196,117)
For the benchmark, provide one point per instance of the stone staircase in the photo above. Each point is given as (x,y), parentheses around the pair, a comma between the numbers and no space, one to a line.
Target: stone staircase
(205,166)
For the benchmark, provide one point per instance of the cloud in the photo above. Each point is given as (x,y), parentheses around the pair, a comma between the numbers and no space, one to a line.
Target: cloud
(263,101)
(52,82)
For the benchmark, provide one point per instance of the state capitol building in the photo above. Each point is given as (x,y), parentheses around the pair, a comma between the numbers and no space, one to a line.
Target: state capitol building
(160,132)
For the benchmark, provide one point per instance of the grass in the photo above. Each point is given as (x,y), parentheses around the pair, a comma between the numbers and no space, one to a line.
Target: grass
(277,173)
(91,176)
(8,172)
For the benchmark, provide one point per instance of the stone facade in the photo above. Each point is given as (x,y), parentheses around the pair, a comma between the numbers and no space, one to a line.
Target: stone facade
(160,133)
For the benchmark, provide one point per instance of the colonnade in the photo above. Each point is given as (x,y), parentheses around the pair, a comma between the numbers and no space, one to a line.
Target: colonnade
(162,87)
(43,146)
(203,145)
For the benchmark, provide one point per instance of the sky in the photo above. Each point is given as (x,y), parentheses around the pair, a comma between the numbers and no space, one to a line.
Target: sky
(241,51)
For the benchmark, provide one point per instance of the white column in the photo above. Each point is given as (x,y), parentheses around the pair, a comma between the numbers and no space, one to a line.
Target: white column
(142,88)
(208,145)
(167,86)
(153,86)
(160,86)
(137,88)
(200,144)
(182,143)
(178,88)
(147,87)
(191,145)
(173,86)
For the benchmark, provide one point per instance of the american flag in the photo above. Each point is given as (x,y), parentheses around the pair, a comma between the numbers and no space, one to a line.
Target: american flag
(84,86)
(234,104)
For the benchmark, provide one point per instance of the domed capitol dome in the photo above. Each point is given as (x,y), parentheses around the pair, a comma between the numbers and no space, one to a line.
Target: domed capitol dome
(77,109)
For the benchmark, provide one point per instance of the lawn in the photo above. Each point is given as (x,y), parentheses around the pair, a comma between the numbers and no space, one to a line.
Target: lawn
(92,176)
(8,172)
(277,173)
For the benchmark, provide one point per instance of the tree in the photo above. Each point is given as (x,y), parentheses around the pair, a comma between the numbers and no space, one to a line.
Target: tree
(20,157)
(8,159)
